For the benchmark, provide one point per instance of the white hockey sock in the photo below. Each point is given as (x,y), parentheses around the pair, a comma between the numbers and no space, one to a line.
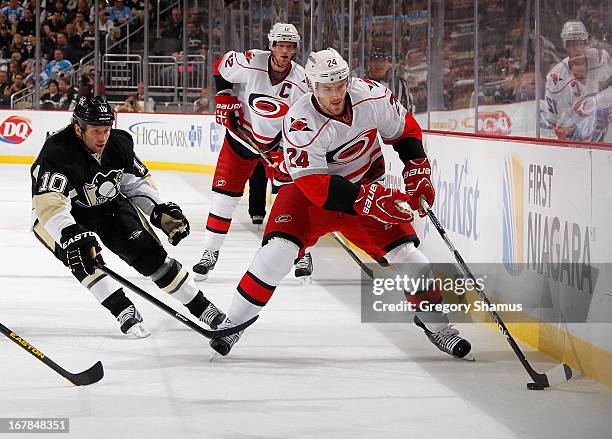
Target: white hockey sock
(221,207)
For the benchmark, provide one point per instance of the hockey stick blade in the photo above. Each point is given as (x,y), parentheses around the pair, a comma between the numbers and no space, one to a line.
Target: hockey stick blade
(89,376)
(208,333)
(556,375)
(368,271)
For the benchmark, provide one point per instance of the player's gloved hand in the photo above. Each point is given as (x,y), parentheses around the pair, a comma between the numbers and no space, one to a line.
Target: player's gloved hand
(80,250)
(417,177)
(277,170)
(228,110)
(382,204)
(169,217)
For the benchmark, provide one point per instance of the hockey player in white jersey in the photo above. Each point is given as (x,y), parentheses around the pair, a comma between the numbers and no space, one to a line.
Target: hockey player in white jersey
(254,91)
(570,111)
(332,151)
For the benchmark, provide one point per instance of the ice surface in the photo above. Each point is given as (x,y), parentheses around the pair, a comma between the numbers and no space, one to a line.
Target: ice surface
(307,368)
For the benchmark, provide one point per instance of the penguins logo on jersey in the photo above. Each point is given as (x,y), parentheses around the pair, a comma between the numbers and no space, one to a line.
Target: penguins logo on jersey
(353,149)
(103,187)
(267,106)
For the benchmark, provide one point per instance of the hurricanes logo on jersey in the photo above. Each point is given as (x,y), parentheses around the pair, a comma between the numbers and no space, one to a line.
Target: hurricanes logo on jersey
(267,106)
(353,149)
(299,125)
(370,83)
(103,187)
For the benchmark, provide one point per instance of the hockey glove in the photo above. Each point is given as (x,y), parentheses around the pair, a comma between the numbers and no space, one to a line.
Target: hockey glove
(277,170)
(417,177)
(79,250)
(170,219)
(228,110)
(382,204)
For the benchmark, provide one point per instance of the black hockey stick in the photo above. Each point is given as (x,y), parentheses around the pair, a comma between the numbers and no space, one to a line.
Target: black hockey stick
(208,333)
(353,256)
(89,376)
(558,374)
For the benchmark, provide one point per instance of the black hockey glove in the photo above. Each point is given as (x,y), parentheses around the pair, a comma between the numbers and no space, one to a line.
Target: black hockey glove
(169,217)
(80,250)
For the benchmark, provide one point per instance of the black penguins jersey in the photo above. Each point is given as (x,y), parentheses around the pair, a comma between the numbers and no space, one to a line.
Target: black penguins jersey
(69,183)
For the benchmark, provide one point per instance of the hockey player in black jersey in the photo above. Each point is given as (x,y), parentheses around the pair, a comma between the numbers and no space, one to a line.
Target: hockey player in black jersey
(87,181)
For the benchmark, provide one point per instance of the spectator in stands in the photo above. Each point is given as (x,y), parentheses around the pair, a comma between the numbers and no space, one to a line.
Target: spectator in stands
(6,38)
(105,25)
(72,38)
(135,103)
(88,40)
(5,90)
(60,8)
(54,25)
(29,42)
(27,26)
(69,94)
(201,105)
(17,49)
(69,51)
(80,25)
(119,13)
(18,85)
(83,9)
(174,27)
(13,12)
(14,67)
(59,64)
(137,7)
(51,99)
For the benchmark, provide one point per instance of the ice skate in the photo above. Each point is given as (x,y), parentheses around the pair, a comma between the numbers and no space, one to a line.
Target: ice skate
(303,269)
(448,340)
(131,323)
(222,346)
(212,316)
(206,264)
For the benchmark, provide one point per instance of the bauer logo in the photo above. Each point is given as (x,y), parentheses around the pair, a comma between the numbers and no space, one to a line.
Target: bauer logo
(15,130)
(512,215)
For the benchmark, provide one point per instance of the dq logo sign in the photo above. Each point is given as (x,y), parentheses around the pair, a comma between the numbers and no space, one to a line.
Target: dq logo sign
(15,130)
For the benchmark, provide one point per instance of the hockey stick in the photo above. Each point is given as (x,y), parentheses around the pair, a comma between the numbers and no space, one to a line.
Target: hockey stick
(353,256)
(557,374)
(89,376)
(208,333)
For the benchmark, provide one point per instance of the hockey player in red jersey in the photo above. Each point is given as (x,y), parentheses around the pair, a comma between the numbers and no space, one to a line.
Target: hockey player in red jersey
(331,149)
(254,90)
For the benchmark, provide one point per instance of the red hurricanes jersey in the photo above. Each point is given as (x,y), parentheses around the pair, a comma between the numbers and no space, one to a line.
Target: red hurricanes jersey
(264,101)
(347,146)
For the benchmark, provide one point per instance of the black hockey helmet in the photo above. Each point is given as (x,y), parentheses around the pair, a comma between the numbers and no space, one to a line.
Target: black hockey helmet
(93,111)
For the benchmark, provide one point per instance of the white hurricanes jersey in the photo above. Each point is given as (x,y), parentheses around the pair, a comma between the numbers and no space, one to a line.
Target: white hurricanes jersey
(264,102)
(317,144)
(566,96)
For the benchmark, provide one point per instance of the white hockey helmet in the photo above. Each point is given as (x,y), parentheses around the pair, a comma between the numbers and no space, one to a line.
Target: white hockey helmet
(284,32)
(573,30)
(326,66)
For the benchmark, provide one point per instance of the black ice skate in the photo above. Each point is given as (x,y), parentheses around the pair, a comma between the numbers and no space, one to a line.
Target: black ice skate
(212,316)
(131,323)
(303,269)
(448,340)
(257,219)
(206,264)
(222,346)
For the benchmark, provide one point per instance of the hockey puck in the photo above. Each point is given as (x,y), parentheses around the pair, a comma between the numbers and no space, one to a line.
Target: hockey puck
(535,386)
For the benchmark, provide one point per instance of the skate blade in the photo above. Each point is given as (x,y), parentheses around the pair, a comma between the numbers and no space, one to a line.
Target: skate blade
(468,357)
(138,331)
(215,356)
(200,277)
(305,280)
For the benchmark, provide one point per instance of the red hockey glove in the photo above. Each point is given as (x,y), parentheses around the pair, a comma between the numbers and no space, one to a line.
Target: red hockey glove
(277,170)
(228,109)
(417,177)
(382,204)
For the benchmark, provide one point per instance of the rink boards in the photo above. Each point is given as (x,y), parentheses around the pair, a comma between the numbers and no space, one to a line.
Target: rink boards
(527,206)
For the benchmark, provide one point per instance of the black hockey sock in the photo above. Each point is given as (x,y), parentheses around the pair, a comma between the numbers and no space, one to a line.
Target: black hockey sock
(198,304)
(116,302)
